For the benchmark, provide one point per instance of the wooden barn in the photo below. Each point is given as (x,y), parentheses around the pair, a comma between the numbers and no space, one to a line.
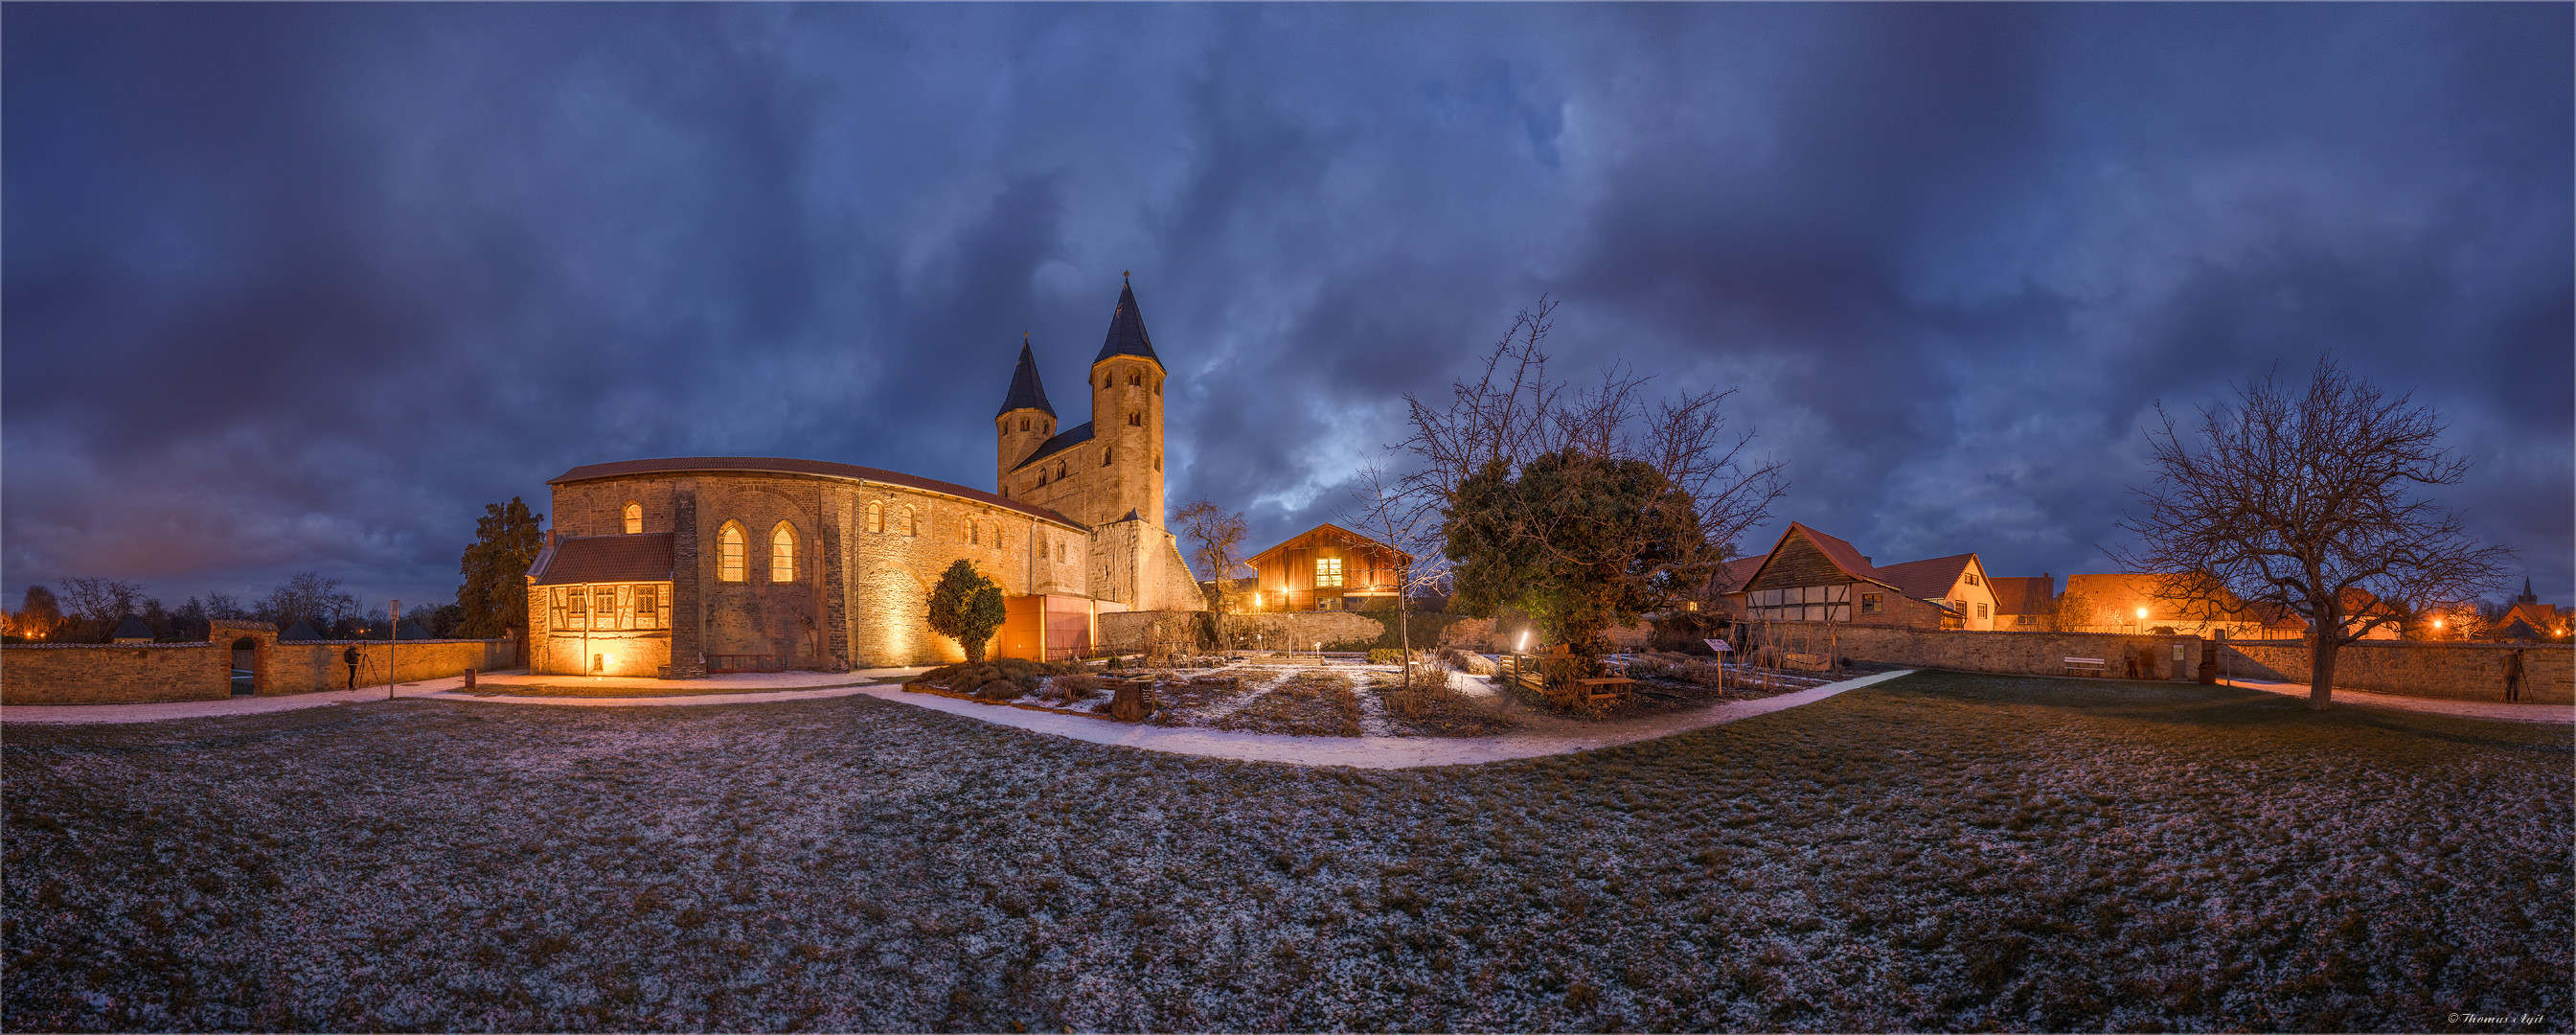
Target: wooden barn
(1327,568)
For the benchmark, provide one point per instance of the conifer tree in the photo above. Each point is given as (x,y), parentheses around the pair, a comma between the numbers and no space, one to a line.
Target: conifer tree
(967,607)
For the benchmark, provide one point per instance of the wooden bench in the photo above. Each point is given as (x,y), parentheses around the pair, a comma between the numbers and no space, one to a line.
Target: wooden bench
(2086,667)
(1607,688)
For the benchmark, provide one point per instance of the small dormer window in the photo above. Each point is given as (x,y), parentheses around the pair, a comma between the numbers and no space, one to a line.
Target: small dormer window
(1972,578)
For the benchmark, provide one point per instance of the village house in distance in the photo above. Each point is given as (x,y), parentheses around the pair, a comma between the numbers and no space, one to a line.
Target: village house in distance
(683,566)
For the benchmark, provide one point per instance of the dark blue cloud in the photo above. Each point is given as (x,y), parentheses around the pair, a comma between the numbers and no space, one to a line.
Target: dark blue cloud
(293,286)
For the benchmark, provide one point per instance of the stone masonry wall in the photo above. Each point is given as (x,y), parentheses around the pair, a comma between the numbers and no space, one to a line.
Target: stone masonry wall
(860,598)
(1291,630)
(68,673)
(2453,671)
(56,673)
(2007,653)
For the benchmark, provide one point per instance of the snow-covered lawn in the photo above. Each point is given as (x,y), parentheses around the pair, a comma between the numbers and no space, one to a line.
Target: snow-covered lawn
(1938,851)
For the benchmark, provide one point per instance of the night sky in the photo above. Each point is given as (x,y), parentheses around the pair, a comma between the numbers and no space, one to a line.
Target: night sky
(305,287)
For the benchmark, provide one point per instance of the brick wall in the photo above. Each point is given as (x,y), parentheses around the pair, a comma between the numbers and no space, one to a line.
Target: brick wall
(2453,671)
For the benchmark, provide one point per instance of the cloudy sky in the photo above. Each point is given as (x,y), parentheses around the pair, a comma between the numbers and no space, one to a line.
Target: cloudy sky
(306,286)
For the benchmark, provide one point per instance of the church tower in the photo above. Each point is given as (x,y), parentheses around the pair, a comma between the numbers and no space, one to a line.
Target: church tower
(1127,417)
(1025,421)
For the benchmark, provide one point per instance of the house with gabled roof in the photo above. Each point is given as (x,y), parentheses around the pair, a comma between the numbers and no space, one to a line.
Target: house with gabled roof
(1809,576)
(1327,568)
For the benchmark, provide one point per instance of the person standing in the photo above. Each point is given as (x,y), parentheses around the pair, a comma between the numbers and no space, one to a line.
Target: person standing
(351,656)
(2513,677)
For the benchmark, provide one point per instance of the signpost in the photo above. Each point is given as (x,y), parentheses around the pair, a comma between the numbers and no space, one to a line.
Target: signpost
(392,635)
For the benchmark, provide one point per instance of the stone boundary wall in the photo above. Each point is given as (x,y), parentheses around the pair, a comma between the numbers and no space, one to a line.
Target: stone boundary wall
(103,673)
(106,673)
(2451,671)
(2003,653)
(1133,630)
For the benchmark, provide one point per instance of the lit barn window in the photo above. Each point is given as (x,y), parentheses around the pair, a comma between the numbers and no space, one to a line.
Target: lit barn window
(782,554)
(876,517)
(634,517)
(1328,572)
(647,607)
(729,553)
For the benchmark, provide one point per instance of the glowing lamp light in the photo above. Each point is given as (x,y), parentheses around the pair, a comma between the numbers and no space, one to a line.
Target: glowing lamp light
(2142,614)
(1524,641)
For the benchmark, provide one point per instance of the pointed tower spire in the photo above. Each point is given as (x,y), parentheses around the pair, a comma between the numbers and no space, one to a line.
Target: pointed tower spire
(2528,597)
(1026,392)
(1127,335)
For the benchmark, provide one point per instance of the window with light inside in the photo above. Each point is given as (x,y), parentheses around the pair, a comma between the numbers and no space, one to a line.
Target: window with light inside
(1328,572)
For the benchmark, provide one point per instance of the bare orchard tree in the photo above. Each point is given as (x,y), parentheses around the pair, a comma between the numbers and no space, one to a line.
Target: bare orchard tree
(1516,412)
(1384,508)
(2305,500)
(1219,535)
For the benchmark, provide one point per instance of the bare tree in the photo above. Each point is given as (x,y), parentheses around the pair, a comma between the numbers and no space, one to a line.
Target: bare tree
(1219,534)
(2304,500)
(1405,519)
(100,600)
(311,596)
(1516,412)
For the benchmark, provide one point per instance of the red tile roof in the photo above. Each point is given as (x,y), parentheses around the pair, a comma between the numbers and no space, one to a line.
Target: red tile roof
(644,557)
(1927,579)
(818,468)
(2023,595)
(1732,576)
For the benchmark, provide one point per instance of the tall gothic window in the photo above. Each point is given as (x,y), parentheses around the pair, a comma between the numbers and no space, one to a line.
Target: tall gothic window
(911,525)
(634,517)
(730,550)
(876,517)
(782,554)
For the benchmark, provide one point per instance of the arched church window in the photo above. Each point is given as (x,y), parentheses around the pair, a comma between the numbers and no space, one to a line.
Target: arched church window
(1158,461)
(911,524)
(1042,543)
(876,517)
(1105,452)
(1024,424)
(1135,420)
(730,548)
(634,517)
(1134,378)
(1059,470)
(1158,386)
(782,554)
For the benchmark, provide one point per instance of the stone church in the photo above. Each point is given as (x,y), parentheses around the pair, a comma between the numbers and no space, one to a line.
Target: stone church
(678,567)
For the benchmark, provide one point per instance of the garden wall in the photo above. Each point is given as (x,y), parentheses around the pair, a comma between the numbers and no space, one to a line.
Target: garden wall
(2007,653)
(2454,671)
(1289,630)
(91,673)
(99,673)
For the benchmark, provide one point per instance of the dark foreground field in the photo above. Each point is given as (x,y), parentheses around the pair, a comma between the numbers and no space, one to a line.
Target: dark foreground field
(1936,852)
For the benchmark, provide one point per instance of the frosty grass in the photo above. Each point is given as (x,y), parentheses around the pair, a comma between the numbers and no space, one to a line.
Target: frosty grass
(1940,851)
